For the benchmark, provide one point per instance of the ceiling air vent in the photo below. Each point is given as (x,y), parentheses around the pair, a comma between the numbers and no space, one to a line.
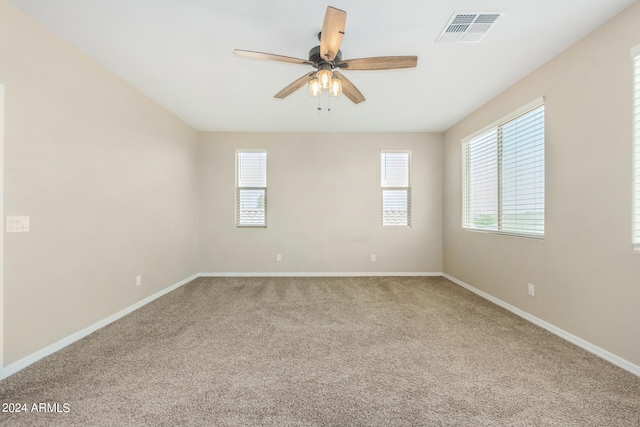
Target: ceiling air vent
(468,27)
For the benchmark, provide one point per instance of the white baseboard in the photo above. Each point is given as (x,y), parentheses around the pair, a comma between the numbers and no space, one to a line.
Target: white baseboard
(604,354)
(34,357)
(319,274)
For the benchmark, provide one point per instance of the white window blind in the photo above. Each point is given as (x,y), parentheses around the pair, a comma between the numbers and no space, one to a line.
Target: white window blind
(503,177)
(251,189)
(395,186)
(636,144)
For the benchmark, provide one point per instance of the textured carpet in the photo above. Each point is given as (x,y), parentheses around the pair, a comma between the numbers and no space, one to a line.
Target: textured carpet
(374,351)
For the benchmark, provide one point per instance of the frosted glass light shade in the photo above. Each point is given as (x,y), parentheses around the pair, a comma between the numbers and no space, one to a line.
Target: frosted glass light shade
(325,78)
(336,87)
(314,87)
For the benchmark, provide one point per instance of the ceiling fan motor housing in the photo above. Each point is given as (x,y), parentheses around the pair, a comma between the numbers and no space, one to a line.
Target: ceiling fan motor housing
(316,58)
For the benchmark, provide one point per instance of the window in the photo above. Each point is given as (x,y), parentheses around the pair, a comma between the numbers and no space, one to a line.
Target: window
(503,175)
(636,157)
(396,192)
(251,188)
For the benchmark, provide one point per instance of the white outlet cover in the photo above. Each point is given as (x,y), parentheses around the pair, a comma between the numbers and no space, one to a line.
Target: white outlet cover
(531,289)
(17,224)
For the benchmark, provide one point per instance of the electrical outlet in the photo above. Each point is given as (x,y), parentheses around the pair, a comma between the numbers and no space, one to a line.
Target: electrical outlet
(373,258)
(138,280)
(532,289)
(278,257)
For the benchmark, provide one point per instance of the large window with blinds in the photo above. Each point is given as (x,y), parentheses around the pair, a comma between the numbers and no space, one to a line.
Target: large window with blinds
(503,175)
(395,186)
(251,188)
(635,54)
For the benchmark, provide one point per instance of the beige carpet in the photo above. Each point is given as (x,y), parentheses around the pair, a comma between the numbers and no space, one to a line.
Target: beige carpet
(375,351)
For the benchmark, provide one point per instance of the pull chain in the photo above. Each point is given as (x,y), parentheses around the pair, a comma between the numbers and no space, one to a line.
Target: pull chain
(319,107)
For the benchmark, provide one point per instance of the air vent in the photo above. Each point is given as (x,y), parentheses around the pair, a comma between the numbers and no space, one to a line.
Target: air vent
(468,27)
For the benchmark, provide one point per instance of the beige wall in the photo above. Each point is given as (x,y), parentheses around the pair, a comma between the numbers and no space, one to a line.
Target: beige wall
(108,179)
(587,278)
(323,205)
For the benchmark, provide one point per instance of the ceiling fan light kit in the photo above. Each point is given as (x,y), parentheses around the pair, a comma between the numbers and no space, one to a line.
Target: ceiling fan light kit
(314,87)
(324,77)
(327,57)
(336,87)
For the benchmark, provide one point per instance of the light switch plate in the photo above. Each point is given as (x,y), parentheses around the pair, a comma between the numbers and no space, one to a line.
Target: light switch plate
(17,224)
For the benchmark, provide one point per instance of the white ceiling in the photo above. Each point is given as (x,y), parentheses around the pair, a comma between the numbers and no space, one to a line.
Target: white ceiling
(179,52)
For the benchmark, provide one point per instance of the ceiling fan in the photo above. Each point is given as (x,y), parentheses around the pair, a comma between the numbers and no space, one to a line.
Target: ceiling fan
(327,57)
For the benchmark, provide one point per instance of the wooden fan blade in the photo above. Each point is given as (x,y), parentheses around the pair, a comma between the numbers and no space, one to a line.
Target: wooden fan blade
(379,63)
(332,32)
(349,90)
(270,57)
(295,85)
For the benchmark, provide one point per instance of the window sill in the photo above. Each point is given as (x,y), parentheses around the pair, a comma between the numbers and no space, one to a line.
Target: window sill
(503,233)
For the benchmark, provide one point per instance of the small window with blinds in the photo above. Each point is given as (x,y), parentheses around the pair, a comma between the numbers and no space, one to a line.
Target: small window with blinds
(396,190)
(251,188)
(635,53)
(503,176)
